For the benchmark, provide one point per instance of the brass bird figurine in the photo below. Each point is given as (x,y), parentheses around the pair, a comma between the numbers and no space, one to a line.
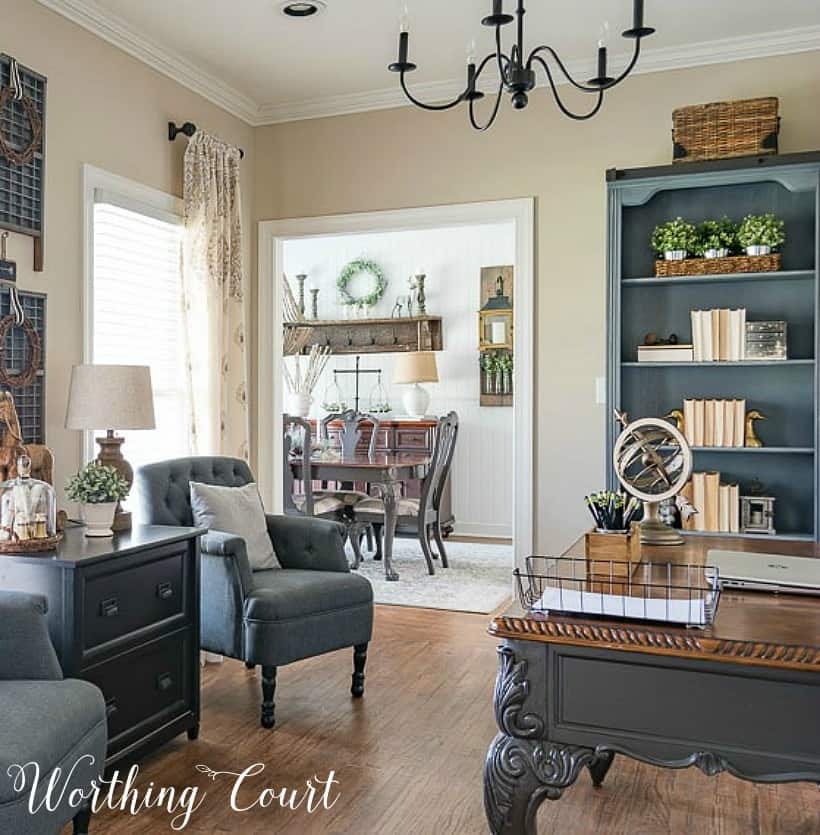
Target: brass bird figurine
(677,416)
(751,438)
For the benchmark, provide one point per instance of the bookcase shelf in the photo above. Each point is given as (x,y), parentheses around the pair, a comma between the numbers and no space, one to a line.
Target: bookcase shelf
(736,364)
(786,391)
(752,450)
(728,278)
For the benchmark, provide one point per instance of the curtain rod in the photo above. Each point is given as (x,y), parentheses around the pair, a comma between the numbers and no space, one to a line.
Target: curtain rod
(189,129)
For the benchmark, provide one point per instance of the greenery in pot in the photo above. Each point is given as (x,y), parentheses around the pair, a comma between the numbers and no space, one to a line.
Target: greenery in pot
(761,230)
(676,235)
(716,235)
(96,484)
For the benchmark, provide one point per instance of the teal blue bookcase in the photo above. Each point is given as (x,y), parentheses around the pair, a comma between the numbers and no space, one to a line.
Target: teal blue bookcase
(638,302)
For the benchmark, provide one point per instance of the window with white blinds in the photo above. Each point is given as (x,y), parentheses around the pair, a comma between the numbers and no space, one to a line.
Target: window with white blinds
(137,315)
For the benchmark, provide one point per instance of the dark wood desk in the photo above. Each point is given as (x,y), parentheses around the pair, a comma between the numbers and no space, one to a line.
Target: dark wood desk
(741,696)
(385,471)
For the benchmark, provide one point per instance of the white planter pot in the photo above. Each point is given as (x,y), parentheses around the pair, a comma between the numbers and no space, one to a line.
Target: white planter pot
(758,249)
(98,518)
(299,405)
(716,253)
(675,255)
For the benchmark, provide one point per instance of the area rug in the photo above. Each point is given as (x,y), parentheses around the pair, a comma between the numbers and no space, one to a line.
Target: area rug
(478,580)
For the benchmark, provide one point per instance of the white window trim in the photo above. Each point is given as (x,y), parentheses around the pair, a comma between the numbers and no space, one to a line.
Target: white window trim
(127,194)
(271,238)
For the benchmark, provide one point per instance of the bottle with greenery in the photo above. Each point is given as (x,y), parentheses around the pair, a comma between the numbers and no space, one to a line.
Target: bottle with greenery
(487,363)
(761,234)
(716,238)
(675,239)
(505,363)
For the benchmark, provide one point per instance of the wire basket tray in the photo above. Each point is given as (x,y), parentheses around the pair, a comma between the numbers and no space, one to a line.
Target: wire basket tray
(682,594)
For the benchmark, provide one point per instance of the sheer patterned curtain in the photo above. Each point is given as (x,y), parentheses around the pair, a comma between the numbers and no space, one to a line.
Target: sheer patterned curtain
(213,298)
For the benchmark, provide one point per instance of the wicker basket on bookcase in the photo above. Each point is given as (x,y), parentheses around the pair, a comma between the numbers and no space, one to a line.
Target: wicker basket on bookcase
(719,266)
(725,129)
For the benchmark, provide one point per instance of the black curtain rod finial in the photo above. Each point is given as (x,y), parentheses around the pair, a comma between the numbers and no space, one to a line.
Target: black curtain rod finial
(188,129)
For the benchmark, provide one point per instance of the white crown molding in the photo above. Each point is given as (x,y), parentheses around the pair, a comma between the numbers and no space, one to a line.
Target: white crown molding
(725,50)
(121,34)
(118,32)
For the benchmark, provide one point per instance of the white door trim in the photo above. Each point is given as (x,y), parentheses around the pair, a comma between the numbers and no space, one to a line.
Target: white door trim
(272,234)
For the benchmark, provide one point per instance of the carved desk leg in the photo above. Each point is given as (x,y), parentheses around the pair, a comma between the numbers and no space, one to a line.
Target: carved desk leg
(523,768)
(520,774)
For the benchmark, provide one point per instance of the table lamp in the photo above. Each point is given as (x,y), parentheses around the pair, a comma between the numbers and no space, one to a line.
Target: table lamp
(411,369)
(116,396)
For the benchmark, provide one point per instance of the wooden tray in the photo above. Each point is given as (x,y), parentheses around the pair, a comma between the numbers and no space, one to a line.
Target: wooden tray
(30,546)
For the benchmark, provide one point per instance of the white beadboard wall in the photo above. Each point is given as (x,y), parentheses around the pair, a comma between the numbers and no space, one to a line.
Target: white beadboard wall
(452,259)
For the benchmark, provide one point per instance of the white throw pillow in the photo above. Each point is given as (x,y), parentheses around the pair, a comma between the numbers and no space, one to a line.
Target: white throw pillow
(236,510)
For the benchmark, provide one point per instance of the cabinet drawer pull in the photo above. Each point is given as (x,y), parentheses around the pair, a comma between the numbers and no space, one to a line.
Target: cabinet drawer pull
(164,681)
(165,591)
(110,607)
(110,707)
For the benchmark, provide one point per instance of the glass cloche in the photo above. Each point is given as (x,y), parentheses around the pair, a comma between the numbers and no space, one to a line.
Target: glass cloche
(28,512)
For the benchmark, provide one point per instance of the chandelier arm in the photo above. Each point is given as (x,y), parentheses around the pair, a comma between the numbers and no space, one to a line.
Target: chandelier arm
(424,106)
(493,115)
(500,53)
(565,110)
(534,55)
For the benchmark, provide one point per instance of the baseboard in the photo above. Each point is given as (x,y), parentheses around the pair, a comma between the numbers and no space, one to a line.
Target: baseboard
(482,529)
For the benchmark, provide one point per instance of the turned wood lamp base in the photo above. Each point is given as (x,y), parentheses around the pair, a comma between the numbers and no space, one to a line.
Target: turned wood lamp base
(111,456)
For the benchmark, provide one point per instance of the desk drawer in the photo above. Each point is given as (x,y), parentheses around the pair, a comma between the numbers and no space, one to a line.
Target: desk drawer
(120,603)
(146,686)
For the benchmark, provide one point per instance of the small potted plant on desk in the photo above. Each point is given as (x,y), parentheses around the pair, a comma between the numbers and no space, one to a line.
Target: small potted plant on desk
(97,488)
(761,234)
(675,240)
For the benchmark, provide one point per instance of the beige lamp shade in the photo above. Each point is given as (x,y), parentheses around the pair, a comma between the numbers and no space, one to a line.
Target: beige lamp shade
(110,397)
(415,367)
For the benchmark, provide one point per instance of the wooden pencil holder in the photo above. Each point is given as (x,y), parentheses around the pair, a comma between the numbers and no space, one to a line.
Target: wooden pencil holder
(622,548)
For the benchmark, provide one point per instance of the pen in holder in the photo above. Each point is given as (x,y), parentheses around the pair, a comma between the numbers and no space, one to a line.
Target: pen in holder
(613,537)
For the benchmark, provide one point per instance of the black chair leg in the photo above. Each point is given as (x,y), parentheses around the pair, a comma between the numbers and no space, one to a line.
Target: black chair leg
(378,531)
(268,689)
(440,544)
(359,660)
(369,534)
(424,541)
(82,820)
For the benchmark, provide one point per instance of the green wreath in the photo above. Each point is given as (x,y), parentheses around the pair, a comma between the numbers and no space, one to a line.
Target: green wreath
(361,265)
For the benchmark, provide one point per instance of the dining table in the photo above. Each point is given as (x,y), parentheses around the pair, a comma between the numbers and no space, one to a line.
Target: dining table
(386,472)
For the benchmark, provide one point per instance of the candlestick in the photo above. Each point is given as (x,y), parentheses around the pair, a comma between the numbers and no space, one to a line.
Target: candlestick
(314,302)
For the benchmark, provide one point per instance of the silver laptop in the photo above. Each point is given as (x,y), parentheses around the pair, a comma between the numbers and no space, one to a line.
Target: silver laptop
(766,572)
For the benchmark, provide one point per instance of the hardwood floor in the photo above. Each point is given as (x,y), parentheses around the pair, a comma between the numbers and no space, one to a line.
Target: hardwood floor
(409,755)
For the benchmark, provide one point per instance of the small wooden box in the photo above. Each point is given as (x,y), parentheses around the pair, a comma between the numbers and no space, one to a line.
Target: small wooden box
(600,548)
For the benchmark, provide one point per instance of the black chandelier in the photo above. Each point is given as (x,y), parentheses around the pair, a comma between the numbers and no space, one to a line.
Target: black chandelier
(518,76)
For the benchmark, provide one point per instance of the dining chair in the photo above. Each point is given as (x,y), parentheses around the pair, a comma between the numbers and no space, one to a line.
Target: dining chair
(322,505)
(423,513)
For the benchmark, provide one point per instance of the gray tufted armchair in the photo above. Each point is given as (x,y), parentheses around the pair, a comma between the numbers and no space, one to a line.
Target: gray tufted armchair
(311,605)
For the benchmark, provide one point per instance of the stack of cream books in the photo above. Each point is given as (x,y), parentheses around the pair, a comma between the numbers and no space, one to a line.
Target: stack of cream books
(714,423)
(718,505)
(719,335)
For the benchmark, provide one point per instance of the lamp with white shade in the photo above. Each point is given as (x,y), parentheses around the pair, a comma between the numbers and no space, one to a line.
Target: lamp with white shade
(111,397)
(411,369)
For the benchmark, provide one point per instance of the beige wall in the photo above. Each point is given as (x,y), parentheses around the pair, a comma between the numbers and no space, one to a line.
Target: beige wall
(402,158)
(109,110)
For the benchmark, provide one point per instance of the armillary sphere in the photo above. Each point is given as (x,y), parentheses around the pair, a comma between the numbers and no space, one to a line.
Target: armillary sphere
(653,462)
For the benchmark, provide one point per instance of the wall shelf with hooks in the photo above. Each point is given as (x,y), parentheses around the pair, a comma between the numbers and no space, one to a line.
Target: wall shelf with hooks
(374,336)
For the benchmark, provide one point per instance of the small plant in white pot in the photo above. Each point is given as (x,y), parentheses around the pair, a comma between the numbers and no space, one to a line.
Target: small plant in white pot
(717,238)
(97,488)
(761,234)
(675,239)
